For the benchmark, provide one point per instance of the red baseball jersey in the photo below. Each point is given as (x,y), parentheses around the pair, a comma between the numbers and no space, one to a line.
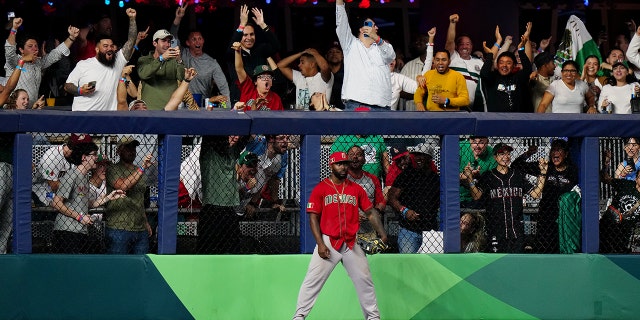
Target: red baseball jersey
(337,206)
(248,91)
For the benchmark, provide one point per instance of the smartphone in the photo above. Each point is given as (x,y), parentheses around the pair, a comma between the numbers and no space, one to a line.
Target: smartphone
(10,15)
(92,84)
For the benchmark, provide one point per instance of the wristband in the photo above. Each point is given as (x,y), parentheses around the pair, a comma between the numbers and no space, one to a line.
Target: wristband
(141,169)
(21,68)
(497,45)
(430,44)
(446,102)
(240,27)
(379,41)
(521,49)
(161,58)
(472,183)
(13,31)
(79,217)
(123,79)
(72,39)
(136,47)
(21,62)
(404,212)
(79,90)
(266,29)
(186,80)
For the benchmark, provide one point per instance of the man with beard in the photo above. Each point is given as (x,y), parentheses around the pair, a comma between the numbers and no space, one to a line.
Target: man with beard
(333,219)
(462,61)
(477,154)
(209,71)
(253,53)
(335,58)
(367,80)
(503,189)
(93,82)
(506,91)
(160,71)
(33,70)
(415,195)
(368,182)
(446,88)
(127,228)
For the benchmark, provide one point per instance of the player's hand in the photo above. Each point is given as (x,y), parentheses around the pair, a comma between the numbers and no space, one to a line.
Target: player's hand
(323,251)
(412,215)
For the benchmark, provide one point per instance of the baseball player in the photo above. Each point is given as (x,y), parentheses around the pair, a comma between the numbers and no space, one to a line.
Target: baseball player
(333,218)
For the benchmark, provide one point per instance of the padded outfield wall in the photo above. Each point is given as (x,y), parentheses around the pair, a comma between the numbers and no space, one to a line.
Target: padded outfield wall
(437,286)
(448,286)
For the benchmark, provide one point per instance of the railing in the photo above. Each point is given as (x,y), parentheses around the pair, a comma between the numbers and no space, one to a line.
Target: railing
(584,130)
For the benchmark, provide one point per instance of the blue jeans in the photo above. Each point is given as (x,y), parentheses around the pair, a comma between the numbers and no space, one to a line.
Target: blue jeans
(125,242)
(409,241)
(351,105)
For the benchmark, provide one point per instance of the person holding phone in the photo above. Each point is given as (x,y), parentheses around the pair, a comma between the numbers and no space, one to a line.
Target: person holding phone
(160,71)
(366,51)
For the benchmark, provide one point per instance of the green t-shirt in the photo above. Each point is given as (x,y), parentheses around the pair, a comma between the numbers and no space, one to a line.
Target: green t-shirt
(126,213)
(486,161)
(217,166)
(373,146)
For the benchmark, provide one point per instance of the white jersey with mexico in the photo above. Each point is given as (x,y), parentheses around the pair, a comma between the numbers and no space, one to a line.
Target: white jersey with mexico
(470,69)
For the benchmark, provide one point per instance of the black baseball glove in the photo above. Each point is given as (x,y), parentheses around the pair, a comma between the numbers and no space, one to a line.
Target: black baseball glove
(371,244)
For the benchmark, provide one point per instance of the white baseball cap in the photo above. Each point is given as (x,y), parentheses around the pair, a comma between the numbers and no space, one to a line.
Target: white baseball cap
(162,34)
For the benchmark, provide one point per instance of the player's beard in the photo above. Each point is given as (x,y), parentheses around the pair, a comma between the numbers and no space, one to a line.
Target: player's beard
(102,58)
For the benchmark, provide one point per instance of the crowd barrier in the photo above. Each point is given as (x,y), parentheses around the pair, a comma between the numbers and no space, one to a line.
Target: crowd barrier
(584,131)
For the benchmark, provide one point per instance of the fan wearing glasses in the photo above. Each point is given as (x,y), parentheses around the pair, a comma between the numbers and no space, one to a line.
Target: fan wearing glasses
(568,95)
(255,94)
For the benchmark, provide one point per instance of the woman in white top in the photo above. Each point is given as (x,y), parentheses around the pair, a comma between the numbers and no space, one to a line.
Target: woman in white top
(616,95)
(569,94)
(590,75)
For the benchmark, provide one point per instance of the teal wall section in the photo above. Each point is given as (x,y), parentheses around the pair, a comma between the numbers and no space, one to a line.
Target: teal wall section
(441,286)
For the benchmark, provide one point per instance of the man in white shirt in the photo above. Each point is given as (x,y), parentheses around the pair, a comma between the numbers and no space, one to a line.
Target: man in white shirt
(367,79)
(462,60)
(93,82)
(314,76)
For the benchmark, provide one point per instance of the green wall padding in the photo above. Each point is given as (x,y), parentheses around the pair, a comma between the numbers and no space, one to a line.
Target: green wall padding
(439,286)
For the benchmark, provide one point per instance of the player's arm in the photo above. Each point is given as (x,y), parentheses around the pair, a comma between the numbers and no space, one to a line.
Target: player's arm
(314,223)
(374,217)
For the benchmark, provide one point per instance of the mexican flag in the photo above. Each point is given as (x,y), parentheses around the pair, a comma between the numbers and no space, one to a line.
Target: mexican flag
(576,44)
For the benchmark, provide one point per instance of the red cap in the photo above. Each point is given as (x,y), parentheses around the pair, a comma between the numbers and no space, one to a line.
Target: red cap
(338,157)
(79,138)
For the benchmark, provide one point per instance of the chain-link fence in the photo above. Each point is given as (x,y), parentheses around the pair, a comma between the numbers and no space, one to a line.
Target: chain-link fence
(619,214)
(249,201)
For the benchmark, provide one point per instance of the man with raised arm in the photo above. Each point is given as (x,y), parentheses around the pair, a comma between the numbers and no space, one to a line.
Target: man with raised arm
(367,80)
(460,49)
(30,80)
(94,81)
(314,75)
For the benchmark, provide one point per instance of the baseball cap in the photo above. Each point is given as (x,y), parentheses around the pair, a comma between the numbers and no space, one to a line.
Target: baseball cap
(422,148)
(501,147)
(128,141)
(398,152)
(132,103)
(336,45)
(261,69)
(102,159)
(338,157)
(248,158)
(162,34)
(78,138)
(620,63)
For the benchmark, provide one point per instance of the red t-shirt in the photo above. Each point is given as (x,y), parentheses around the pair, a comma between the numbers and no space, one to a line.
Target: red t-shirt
(337,206)
(248,91)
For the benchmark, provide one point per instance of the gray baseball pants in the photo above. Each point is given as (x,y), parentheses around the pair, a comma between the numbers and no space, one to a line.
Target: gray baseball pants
(357,267)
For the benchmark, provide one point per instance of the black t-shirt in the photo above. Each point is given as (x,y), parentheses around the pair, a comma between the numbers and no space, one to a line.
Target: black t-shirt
(420,192)
(626,197)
